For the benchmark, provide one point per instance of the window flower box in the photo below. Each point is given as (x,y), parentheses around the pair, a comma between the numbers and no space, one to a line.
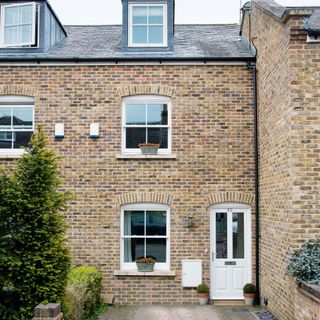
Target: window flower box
(145,264)
(149,148)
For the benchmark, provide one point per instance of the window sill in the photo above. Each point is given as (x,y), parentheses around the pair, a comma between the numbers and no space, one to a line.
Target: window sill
(146,156)
(16,154)
(135,273)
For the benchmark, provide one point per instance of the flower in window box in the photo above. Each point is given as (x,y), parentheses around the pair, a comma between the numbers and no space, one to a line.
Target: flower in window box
(145,264)
(149,148)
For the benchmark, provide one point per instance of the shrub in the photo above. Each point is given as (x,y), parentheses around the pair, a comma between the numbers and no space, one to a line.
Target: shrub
(34,257)
(83,293)
(304,265)
(202,288)
(249,288)
(146,260)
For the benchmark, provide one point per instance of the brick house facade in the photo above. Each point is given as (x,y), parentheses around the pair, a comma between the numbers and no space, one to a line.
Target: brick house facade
(200,187)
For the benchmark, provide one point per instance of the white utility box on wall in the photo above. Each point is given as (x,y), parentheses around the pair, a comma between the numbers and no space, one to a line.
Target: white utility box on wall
(191,273)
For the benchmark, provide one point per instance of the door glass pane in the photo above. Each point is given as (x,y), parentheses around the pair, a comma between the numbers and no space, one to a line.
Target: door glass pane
(156,35)
(139,15)
(5,118)
(155,15)
(221,235)
(11,16)
(158,135)
(157,248)
(135,114)
(11,35)
(134,223)
(26,33)
(156,223)
(21,139)
(133,249)
(26,14)
(157,114)
(135,136)
(22,118)
(139,35)
(238,235)
(5,140)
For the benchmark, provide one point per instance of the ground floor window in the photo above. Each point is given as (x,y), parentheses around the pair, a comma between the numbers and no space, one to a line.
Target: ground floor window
(145,232)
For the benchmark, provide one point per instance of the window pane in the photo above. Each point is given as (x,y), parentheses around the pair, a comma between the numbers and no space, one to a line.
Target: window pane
(155,15)
(156,35)
(22,118)
(21,139)
(135,114)
(5,118)
(11,35)
(5,140)
(157,248)
(134,223)
(133,249)
(238,235)
(158,135)
(221,236)
(26,34)
(11,16)
(135,136)
(156,223)
(139,35)
(157,114)
(26,14)
(139,15)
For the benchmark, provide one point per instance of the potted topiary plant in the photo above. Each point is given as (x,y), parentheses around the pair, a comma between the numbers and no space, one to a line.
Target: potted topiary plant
(249,292)
(203,293)
(149,148)
(145,264)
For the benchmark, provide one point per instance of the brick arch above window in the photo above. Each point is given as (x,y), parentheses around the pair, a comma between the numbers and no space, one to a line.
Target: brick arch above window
(18,90)
(236,197)
(145,197)
(147,90)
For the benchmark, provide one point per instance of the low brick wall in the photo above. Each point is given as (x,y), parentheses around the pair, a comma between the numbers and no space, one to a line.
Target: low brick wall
(306,302)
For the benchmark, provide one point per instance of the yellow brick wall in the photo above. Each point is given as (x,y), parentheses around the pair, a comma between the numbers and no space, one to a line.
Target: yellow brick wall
(212,136)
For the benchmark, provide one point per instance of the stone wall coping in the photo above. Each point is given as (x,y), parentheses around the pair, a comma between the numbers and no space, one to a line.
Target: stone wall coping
(148,156)
(312,291)
(135,273)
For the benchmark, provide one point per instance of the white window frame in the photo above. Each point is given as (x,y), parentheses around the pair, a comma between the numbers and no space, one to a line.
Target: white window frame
(313,39)
(164,42)
(145,207)
(15,102)
(146,100)
(2,27)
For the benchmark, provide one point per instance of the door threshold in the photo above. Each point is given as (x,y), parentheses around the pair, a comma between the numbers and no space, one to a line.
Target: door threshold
(233,303)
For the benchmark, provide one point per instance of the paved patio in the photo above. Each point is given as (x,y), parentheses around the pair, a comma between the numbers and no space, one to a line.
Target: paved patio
(179,312)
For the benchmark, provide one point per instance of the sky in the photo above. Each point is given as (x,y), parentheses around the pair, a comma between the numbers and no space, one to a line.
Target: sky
(187,11)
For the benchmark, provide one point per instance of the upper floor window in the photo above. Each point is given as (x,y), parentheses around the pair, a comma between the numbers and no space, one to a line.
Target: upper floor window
(16,123)
(146,119)
(18,25)
(148,25)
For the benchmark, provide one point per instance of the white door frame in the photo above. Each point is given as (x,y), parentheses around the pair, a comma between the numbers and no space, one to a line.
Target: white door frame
(248,242)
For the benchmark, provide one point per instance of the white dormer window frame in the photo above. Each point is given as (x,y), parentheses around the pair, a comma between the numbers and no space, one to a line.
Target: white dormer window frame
(18,25)
(164,25)
(313,39)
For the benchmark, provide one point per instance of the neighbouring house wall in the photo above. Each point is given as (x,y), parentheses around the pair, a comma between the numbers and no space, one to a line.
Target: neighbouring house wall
(289,142)
(212,136)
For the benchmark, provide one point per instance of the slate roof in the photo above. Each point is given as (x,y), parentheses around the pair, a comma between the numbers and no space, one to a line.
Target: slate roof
(312,21)
(212,42)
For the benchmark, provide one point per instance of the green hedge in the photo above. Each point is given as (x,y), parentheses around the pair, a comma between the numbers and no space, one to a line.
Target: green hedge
(83,293)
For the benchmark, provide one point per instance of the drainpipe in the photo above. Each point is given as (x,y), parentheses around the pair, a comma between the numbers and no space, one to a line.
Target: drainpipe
(256,174)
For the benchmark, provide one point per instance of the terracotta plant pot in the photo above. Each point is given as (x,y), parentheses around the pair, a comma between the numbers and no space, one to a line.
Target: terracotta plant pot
(248,298)
(203,298)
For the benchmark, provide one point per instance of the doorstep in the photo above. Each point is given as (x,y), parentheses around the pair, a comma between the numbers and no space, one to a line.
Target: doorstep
(235,303)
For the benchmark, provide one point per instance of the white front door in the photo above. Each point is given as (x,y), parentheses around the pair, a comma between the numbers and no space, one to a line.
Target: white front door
(230,250)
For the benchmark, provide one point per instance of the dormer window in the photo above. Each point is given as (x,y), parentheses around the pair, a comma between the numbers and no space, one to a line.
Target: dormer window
(147,25)
(18,25)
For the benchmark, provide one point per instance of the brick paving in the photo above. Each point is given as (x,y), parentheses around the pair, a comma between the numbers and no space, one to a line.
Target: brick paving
(178,312)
